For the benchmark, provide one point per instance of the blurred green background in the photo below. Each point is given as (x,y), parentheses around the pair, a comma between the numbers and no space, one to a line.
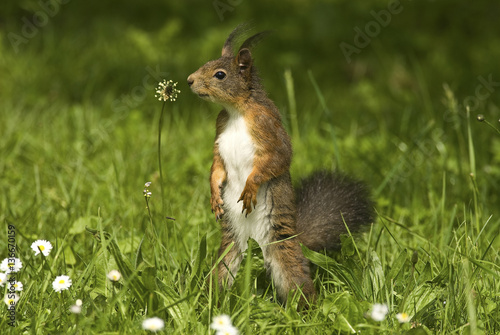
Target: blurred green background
(100,51)
(403,79)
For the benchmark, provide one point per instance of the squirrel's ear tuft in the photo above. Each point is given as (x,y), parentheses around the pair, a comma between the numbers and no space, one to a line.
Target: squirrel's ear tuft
(244,60)
(240,31)
(253,40)
(227,49)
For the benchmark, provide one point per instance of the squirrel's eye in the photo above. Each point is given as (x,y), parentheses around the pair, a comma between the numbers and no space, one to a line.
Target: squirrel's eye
(220,75)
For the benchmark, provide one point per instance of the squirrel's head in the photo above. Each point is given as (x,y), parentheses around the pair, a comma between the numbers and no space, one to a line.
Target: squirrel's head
(230,79)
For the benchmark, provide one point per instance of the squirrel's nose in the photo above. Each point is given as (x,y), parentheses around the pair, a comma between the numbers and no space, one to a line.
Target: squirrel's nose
(190,80)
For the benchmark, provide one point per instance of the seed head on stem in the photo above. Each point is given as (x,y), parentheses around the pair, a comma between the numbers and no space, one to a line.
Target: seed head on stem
(167,91)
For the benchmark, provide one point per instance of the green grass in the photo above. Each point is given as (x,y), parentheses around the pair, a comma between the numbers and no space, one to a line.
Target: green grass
(73,168)
(67,169)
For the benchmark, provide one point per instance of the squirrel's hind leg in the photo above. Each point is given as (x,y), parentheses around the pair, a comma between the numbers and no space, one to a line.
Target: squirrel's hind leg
(289,270)
(283,255)
(231,261)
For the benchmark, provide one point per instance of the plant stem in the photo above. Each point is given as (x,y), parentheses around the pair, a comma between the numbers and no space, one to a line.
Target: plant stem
(160,126)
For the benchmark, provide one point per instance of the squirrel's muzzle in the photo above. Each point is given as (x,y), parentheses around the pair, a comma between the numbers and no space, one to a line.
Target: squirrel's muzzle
(190,80)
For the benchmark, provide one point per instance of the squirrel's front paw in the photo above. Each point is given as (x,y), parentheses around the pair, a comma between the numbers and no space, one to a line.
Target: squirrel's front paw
(249,197)
(217,203)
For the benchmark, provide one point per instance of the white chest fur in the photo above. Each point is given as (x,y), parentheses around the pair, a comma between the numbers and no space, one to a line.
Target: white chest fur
(237,150)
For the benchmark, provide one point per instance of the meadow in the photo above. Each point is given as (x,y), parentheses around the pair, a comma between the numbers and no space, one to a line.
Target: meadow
(412,109)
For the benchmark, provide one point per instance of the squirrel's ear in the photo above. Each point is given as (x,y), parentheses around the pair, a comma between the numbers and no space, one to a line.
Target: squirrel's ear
(227,49)
(244,60)
(253,40)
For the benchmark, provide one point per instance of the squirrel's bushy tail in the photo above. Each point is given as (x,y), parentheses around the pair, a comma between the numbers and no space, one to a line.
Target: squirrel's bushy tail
(325,200)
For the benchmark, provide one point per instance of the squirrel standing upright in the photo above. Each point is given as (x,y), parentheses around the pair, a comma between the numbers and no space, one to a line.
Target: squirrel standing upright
(252,193)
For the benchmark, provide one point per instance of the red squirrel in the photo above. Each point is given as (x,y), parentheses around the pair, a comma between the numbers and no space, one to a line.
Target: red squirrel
(251,187)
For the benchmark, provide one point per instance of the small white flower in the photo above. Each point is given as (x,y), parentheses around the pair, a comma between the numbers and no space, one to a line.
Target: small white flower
(146,191)
(61,283)
(230,330)
(403,317)
(41,245)
(220,322)
(10,265)
(3,279)
(379,311)
(75,309)
(153,324)
(11,299)
(114,275)
(18,286)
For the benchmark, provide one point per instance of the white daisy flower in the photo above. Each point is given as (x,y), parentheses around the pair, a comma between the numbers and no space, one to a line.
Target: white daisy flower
(379,311)
(78,302)
(61,283)
(153,324)
(11,299)
(221,322)
(230,330)
(403,317)
(18,286)
(10,265)
(3,279)
(41,246)
(114,275)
